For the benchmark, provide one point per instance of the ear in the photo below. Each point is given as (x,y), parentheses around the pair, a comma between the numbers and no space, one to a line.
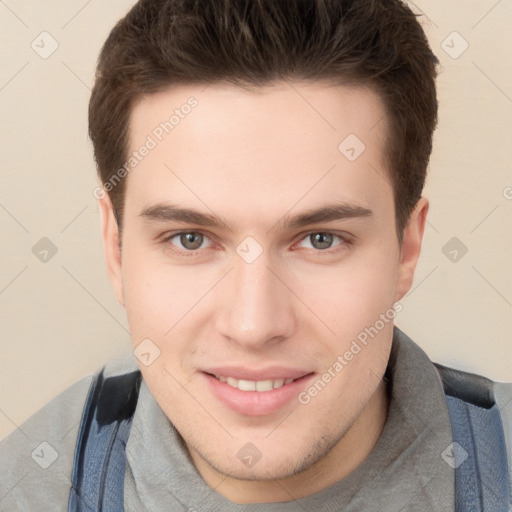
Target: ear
(411,247)
(111,245)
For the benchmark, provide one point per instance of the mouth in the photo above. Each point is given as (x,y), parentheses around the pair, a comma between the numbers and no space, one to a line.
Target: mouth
(256,397)
(255,385)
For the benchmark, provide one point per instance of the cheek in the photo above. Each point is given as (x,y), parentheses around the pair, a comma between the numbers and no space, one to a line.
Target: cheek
(353,294)
(157,294)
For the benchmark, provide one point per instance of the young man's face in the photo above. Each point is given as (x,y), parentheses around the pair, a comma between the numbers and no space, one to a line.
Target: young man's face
(262,292)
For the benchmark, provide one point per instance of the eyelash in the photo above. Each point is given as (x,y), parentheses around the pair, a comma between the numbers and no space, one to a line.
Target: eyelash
(345,242)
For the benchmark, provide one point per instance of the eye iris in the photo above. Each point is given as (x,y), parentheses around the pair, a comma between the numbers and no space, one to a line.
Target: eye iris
(191,241)
(321,240)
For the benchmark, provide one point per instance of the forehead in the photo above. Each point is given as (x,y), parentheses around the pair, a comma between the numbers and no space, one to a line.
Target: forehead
(283,108)
(280,143)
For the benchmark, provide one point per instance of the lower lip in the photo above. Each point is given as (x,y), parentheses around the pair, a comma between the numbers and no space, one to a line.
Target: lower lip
(256,403)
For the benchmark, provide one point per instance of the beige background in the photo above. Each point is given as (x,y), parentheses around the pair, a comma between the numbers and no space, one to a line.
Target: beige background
(60,321)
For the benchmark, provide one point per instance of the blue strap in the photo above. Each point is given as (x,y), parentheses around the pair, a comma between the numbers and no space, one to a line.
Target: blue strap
(481,479)
(100,460)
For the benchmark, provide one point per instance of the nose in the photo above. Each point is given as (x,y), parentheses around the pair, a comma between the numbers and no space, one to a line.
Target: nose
(255,306)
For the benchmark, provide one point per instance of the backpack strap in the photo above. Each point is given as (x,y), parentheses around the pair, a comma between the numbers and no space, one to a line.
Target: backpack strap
(100,461)
(479,456)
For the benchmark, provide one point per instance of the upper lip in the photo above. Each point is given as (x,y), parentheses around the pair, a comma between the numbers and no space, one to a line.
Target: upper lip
(269,373)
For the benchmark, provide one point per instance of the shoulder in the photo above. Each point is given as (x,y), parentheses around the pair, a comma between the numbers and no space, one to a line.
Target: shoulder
(39,454)
(503,395)
(479,391)
(470,387)
(483,397)
(37,457)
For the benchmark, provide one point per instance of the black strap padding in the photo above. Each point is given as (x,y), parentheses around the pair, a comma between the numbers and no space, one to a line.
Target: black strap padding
(118,397)
(469,387)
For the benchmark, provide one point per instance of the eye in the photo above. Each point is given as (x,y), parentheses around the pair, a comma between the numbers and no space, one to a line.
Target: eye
(322,240)
(190,240)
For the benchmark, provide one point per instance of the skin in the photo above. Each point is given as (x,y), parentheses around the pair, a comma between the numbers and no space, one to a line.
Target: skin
(254,158)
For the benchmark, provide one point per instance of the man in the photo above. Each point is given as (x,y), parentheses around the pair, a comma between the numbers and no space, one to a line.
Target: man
(262,166)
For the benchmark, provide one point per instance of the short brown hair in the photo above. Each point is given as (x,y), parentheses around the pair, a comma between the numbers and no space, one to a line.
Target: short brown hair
(377,43)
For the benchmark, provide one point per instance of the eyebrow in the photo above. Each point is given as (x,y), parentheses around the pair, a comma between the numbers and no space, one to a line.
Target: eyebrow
(326,213)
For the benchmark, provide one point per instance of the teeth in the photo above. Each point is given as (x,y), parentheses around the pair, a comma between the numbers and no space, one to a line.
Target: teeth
(251,385)
(232,382)
(264,385)
(246,385)
(278,383)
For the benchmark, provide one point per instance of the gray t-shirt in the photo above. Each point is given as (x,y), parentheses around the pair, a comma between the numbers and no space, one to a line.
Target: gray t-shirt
(404,472)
